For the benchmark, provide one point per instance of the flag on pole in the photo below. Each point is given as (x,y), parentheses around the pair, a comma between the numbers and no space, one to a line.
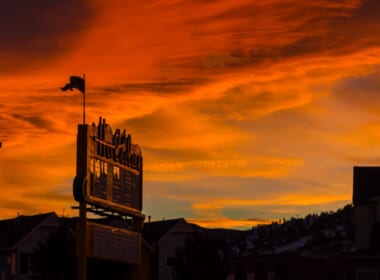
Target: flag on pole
(75,82)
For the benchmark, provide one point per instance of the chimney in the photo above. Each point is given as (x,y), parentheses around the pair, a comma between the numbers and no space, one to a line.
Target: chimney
(149,225)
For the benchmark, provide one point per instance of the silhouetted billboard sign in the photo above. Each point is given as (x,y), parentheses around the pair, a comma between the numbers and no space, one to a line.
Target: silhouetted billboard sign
(111,243)
(109,169)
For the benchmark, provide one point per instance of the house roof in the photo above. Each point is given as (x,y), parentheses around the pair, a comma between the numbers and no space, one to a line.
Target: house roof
(13,230)
(154,231)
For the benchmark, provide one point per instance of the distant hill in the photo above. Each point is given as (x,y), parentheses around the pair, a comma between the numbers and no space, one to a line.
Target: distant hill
(325,234)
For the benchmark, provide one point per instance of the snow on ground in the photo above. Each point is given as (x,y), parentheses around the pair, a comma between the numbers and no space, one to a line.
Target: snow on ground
(293,246)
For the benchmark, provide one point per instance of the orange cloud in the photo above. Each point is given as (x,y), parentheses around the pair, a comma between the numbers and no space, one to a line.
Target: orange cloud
(228,223)
(283,200)
(240,103)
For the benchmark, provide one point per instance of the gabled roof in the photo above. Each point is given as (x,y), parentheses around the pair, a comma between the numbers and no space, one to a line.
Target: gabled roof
(154,231)
(14,230)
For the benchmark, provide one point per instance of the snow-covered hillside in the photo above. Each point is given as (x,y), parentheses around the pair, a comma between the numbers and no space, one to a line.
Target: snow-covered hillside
(324,234)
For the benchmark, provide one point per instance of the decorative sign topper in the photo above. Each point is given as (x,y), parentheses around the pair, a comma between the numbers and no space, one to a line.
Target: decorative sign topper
(109,169)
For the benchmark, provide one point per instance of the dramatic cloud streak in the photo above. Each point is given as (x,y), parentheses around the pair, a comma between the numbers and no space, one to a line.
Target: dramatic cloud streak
(33,33)
(246,111)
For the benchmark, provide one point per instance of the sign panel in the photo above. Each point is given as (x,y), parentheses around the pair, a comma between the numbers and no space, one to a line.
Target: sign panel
(109,169)
(111,243)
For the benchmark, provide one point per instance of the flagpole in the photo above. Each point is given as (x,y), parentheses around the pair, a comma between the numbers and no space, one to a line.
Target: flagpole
(84,100)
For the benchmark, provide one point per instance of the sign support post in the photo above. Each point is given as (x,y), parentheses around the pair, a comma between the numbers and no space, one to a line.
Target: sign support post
(82,242)
(81,169)
(108,180)
(84,100)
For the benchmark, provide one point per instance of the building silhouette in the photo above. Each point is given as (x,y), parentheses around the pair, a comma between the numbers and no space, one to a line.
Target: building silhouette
(19,240)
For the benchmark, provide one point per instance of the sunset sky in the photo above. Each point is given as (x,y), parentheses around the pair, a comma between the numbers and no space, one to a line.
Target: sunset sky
(246,111)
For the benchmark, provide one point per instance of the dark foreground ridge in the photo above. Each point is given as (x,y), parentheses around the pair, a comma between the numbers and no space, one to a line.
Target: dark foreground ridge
(318,246)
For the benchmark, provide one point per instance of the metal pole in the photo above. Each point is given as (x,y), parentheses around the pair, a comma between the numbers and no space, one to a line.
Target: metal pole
(82,242)
(84,108)
(81,172)
(84,100)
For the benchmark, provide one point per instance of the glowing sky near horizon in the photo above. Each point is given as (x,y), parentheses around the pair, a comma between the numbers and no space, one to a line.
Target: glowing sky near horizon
(246,111)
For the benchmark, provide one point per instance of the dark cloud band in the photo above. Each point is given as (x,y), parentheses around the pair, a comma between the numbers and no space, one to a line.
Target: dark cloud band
(39,30)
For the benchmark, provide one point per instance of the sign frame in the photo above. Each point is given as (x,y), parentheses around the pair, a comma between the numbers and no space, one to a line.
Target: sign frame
(116,184)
